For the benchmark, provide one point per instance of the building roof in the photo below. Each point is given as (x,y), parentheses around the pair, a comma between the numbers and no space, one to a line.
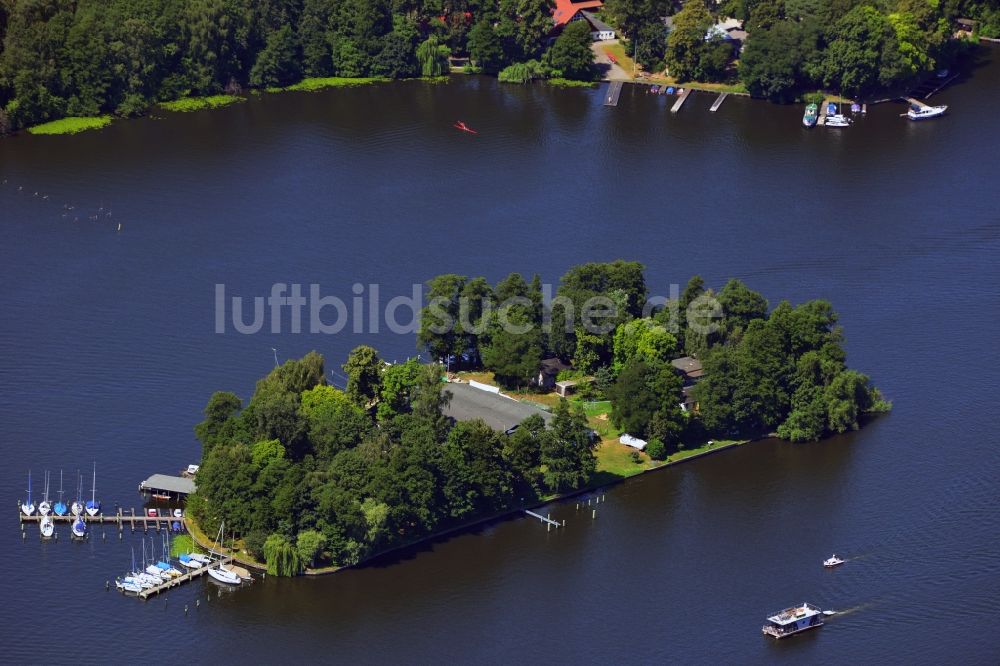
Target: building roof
(553,366)
(597,24)
(566,9)
(689,366)
(171,484)
(499,412)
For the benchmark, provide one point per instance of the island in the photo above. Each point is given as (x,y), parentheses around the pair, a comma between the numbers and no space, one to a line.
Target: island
(67,66)
(600,383)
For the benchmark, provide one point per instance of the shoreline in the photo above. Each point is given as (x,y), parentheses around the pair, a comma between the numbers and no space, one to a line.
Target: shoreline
(198,536)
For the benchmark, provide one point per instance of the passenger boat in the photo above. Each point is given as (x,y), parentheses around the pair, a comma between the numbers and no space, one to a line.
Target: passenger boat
(810,116)
(925,112)
(833,561)
(793,621)
(28,508)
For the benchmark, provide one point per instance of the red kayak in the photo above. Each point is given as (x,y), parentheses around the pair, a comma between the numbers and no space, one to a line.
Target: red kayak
(465,128)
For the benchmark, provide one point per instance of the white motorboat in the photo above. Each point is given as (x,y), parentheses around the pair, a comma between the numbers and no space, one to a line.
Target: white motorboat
(28,508)
(838,120)
(833,561)
(47,527)
(925,112)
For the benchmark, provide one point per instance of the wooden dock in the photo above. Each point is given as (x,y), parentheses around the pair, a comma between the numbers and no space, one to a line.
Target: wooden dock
(916,102)
(680,101)
(718,102)
(183,578)
(822,114)
(544,519)
(120,519)
(614,92)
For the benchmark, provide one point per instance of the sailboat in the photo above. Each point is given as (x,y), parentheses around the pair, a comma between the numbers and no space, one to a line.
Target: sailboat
(44,507)
(837,119)
(28,508)
(60,508)
(46,527)
(78,528)
(76,508)
(220,572)
(93,506)
(164,563)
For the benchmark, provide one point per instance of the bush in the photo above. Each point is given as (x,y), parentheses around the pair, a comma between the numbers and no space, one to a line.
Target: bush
(636,457)
(522,72)
(656,449)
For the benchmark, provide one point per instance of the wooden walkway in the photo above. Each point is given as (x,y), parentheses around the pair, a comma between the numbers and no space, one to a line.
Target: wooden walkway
(183,578)
(822,113)
(718,102)
(916,102)
(119,519)
(680,101)
(542,518)
(614,92)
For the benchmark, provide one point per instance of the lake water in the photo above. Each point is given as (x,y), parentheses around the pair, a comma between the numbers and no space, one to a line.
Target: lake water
(109,353)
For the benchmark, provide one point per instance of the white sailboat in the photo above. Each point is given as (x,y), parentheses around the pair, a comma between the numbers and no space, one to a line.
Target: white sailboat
(28,508)
(46,527)
(222,573)
(164,563)
(76,508)
(44,507)
(60,508)
(93,506)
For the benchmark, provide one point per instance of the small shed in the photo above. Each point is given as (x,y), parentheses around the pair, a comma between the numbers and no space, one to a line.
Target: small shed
(564,388)
(634,442)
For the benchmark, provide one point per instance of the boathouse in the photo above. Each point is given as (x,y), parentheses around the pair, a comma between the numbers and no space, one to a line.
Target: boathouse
(167,487)
(469,403)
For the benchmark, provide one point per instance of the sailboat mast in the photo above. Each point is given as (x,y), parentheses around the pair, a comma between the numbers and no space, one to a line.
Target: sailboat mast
(93,488)
(29,487)
(60,485)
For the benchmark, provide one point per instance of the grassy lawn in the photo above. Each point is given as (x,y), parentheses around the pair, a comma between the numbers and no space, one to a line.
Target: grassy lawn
(614,459)
(569,83)
(186,104)
(483,377)
(71,125)
(737,88)
(183,544)
(618,51)
(716,444)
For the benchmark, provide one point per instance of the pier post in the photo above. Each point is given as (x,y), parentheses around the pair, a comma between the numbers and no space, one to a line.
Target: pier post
(593,513)
(564,522)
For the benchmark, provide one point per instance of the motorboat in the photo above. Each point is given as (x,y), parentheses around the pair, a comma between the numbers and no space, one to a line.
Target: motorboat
(93,507)
(925,112)
(833,561)
(838,120)
(47,527)
(810,116)
(28,508)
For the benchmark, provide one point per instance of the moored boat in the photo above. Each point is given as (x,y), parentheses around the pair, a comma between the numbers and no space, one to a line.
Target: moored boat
(793,621)
(60,508)
(224,575)
(811,115)
(79,528)
(925,112)
(46,527)
(188,563)
(45,507)
(838,120)
(28,508)
(93,507)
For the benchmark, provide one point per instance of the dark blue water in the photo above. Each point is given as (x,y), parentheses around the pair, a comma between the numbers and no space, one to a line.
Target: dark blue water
(109,353)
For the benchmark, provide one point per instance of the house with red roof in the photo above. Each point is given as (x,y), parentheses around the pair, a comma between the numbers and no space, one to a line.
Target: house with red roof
(582,10)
